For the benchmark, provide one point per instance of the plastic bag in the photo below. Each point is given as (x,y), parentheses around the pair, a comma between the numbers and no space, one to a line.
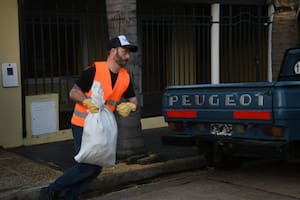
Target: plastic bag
(99,138)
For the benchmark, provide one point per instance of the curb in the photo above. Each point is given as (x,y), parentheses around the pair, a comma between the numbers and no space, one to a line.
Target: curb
(112,181)
(118,180)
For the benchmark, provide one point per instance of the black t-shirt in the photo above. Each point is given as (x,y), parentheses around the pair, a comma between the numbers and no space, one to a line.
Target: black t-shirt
(86,79)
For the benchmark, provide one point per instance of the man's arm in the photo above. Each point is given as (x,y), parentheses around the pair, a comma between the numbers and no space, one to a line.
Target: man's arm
(133,100)
(76,94)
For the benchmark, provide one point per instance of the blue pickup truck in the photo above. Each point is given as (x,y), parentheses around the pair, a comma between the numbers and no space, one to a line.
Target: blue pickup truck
(233,121)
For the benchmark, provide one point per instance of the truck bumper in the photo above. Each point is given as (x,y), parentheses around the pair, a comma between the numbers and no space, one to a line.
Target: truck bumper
(254,148)
(234,146)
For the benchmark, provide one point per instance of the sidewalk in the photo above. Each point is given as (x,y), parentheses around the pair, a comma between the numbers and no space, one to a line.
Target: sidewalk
(24,170)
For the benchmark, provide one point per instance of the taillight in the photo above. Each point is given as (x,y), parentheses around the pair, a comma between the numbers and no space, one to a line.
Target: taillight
(176,126)
(273,131)
(181,114)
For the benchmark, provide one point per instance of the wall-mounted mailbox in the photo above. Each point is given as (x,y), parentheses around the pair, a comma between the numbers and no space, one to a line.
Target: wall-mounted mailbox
(9,75)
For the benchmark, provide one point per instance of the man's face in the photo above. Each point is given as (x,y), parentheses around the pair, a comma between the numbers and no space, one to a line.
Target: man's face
(121,56)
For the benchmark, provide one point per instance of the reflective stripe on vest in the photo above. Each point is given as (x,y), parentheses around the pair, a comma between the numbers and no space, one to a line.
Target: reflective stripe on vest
(111,96)
(80,114)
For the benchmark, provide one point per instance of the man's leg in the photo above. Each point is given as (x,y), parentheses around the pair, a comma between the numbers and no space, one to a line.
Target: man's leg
(71,176)
(76,179)
(91,172)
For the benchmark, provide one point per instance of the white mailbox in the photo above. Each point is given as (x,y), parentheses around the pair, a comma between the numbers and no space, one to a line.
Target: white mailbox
(9,75)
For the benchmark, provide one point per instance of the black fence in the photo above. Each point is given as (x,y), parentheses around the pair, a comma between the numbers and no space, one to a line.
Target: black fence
(244,43)
(58,39)
(176,47)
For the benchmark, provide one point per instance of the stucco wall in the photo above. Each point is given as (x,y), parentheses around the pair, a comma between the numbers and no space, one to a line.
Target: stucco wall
(11,114)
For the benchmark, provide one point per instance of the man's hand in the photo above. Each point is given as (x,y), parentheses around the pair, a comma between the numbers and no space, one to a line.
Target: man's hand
(90,105)
(124,109)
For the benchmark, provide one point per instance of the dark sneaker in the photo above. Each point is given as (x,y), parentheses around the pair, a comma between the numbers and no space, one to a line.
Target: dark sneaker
(47,194)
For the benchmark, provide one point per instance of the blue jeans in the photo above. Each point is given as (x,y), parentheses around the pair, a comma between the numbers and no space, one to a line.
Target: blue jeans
(76,179)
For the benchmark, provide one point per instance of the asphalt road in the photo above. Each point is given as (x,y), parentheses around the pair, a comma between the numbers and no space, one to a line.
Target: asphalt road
(254,181)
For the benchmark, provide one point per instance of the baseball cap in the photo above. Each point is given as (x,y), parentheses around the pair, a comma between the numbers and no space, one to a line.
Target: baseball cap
(121,41)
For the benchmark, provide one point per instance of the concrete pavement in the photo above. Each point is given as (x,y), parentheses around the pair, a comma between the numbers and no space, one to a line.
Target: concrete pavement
(24,170)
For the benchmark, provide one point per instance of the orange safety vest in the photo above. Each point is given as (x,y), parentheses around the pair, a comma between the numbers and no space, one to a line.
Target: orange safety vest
(111,95)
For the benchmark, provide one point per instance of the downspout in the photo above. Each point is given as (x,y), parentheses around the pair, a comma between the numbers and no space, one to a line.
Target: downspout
(215,44)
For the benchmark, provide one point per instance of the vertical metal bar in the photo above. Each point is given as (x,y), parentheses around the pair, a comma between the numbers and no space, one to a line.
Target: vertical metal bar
(145,58)
(188,50)
(51,54)
(158,63)
(43,76)
(84,36)
(235,74)
(150,39)
(265,36)
(146,49)
(240,44)
(223,65)
(207,47)
(164,53)
(192,47)
(254,40)
(67,65)
(200,62)
(182,48)
(64,79)
(24,84)
(25,53)
(230,41)
(152,72)
(258,62)
(58,47)
(271,15)
(247,41)
(244,17)
(34,56)
(224,41)
(74,63)
(182,54)
(95,36)
(173,36)
(169,73)
(87,31)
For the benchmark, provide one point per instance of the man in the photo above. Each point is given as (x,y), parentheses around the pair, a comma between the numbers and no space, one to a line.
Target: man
(116,83)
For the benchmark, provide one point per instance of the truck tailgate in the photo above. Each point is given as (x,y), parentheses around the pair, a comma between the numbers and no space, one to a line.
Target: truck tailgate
(221,103)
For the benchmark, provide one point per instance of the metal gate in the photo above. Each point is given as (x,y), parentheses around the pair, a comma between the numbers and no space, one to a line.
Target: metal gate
(58,39)
(244,43)
(176,48)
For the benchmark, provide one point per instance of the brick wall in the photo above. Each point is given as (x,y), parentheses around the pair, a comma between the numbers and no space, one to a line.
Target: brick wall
(284,36)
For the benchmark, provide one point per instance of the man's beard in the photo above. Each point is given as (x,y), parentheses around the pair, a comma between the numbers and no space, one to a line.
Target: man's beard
(120,61)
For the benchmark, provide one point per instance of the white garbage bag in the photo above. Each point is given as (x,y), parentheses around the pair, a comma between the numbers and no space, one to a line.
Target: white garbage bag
(99,138)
